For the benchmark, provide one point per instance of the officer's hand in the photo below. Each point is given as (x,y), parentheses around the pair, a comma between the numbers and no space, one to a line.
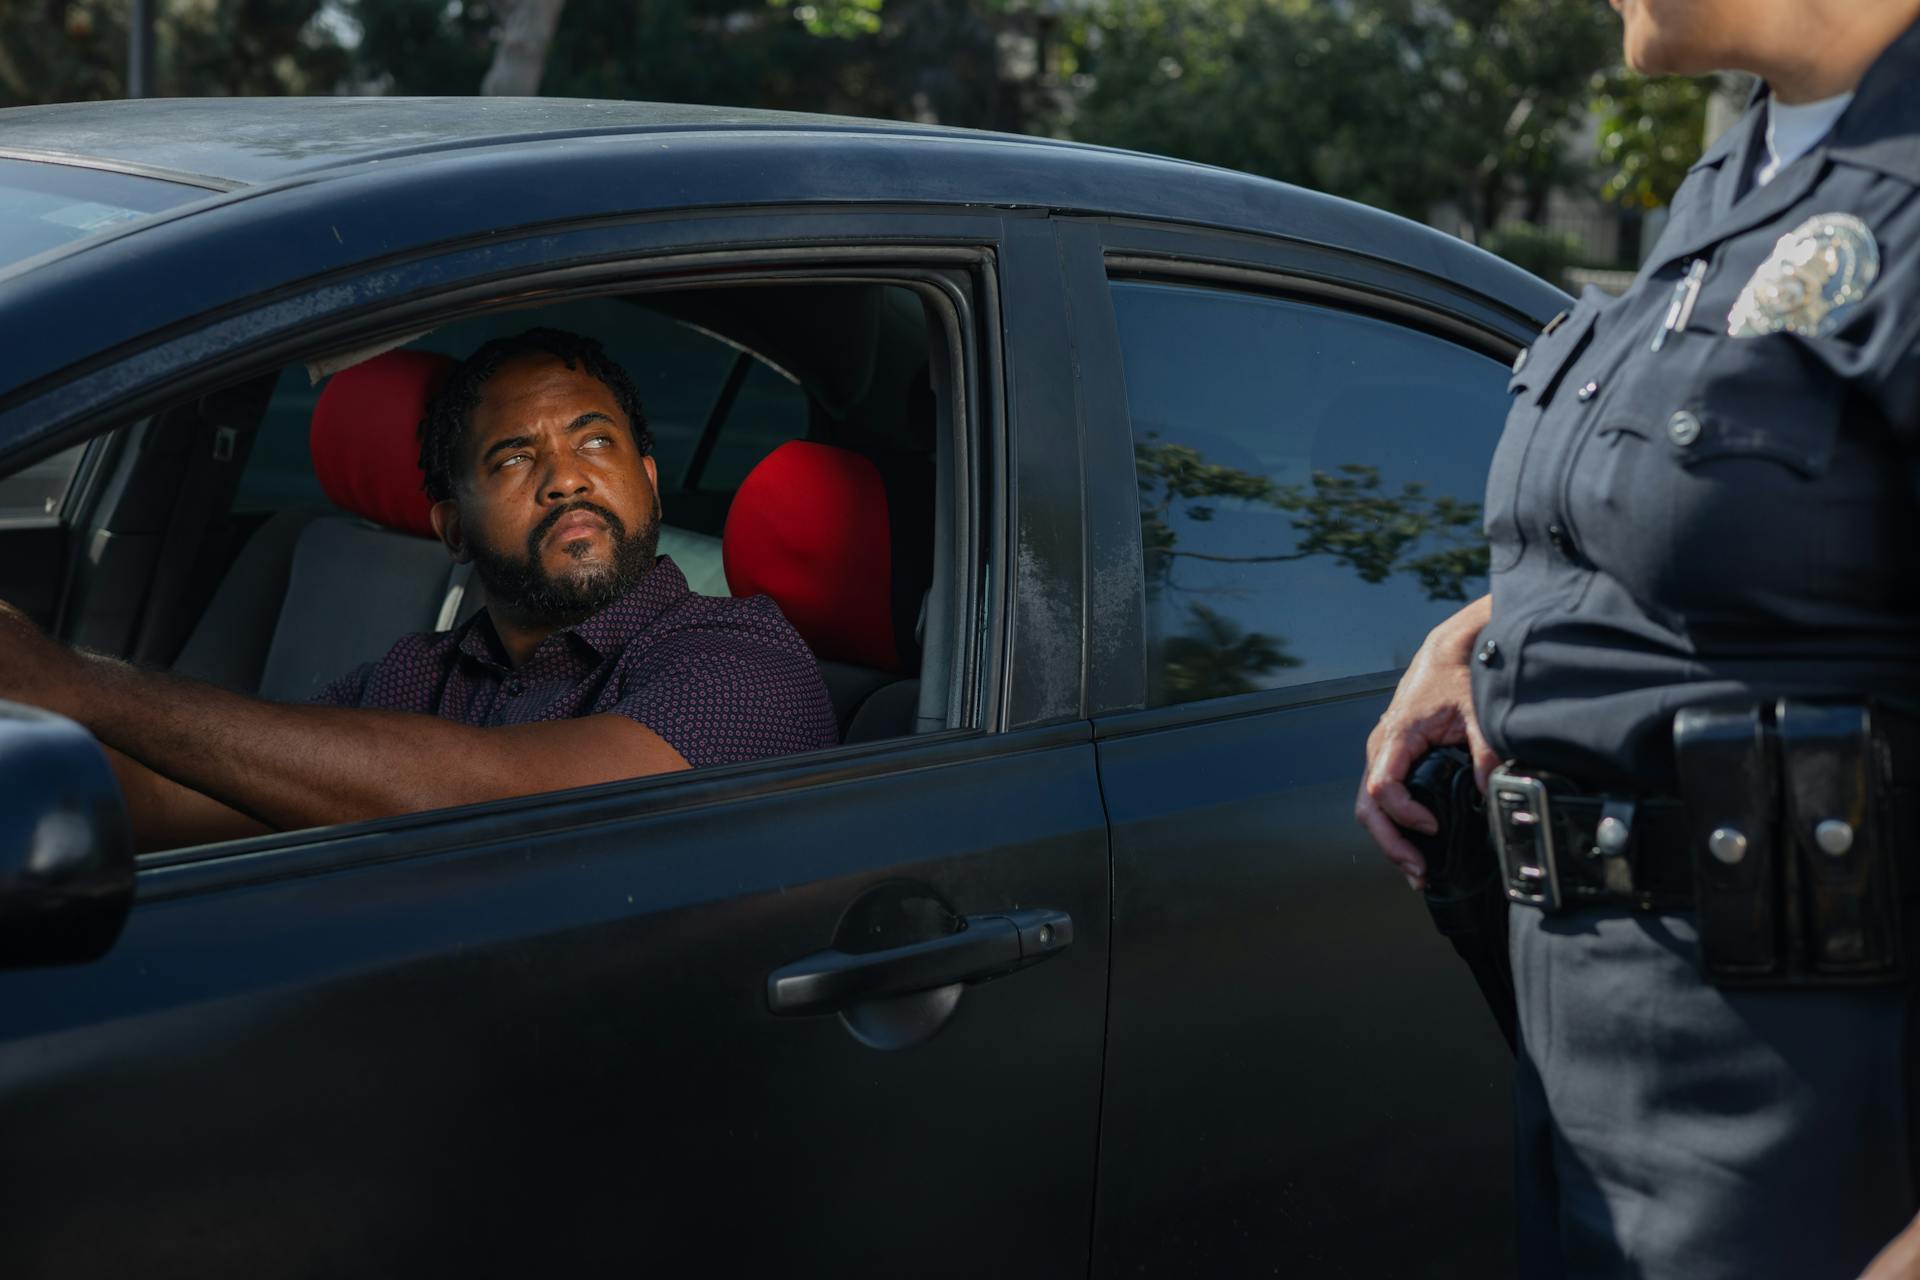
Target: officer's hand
(1900,1260)
(1433,707)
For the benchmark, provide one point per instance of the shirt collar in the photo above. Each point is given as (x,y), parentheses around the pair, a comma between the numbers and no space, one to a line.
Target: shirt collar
(663,587)
(1881,127)
(605,632)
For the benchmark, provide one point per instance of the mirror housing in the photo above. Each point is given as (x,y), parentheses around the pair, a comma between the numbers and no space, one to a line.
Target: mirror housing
(66,845)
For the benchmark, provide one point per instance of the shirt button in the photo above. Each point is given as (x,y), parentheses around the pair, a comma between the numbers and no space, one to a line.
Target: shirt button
(514,688)
(1588,392)
(1520,361)
(1489,650)
(1561,542)
(1683,428)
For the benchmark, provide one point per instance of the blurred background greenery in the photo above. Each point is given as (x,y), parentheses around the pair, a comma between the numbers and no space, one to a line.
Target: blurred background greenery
(1509,122)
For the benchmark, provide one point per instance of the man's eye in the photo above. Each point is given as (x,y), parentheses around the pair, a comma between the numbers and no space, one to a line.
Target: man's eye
(600,441)
(510,460)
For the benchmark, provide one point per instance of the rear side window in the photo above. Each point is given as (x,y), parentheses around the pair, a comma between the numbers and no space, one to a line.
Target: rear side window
(43,206)
(32,495)
(1310,486)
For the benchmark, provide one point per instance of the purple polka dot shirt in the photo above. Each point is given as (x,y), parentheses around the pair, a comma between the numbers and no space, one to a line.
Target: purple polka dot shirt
(722,680)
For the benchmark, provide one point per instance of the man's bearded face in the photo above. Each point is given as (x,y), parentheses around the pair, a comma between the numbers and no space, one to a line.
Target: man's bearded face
(584,584)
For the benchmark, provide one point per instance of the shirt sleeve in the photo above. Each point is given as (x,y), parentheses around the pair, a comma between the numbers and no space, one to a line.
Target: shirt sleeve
(721,699)
(347,691)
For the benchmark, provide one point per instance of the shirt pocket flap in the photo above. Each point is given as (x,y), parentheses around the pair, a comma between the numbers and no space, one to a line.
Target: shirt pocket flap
(1767,397)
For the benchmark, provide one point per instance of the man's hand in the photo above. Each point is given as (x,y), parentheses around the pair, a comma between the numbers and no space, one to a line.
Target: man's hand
(33,668)
(1900,1260)
(1433,707)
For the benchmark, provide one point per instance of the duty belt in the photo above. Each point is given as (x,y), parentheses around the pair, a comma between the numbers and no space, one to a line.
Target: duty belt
(1790,841)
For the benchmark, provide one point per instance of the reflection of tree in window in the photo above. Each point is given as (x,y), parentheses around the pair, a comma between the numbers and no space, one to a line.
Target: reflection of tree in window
(1345,515)
(1218,658)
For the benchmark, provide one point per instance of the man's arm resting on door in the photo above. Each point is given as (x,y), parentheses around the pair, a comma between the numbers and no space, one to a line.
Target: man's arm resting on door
(303,766)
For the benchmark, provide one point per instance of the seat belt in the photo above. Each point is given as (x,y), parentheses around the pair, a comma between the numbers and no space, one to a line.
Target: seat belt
(456,593)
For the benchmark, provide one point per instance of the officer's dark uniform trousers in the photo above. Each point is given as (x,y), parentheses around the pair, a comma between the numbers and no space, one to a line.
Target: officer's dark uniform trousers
(1720,518)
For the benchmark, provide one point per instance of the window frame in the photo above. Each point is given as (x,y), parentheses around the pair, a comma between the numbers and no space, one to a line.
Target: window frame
(1290,270)
(951,259)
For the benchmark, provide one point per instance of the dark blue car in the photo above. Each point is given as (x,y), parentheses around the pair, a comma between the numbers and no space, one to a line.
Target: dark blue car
(1068,961)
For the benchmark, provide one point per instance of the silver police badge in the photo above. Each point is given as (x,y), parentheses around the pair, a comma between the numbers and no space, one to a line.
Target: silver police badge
(1817,274)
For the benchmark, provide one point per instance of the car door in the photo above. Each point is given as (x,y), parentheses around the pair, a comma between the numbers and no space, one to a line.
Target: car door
(838,1013)
(1301,1078)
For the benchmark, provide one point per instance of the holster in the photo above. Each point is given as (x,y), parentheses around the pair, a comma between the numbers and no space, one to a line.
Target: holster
(1790,840)
(1465,893)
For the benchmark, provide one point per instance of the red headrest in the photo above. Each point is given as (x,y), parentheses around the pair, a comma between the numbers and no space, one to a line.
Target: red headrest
(809,527)
(365,437)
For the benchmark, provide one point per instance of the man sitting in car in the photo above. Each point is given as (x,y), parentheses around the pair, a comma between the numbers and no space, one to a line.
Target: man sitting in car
(592,661)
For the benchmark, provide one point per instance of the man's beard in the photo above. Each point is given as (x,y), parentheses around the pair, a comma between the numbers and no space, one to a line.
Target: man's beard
(523,587)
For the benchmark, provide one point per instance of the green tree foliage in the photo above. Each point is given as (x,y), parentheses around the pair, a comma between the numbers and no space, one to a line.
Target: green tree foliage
(1399,103)
(911,59)
(1545,252)
(73,50)
(1650,132)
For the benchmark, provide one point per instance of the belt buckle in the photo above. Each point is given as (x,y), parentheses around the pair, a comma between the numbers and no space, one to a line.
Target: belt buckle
(1522,822)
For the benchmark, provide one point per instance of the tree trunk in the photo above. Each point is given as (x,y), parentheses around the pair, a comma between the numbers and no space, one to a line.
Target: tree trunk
(521,56)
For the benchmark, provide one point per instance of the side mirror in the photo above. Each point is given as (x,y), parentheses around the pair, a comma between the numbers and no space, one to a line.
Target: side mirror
(66,847)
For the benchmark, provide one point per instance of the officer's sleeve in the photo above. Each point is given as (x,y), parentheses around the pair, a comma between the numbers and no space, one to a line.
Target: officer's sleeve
(1889,352)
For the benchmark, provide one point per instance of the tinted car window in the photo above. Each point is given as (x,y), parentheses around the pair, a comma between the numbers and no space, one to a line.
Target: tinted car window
(43,206)
(677,369)
(1310,486)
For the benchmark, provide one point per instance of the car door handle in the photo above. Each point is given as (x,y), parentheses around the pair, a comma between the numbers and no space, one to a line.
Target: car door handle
(985,946)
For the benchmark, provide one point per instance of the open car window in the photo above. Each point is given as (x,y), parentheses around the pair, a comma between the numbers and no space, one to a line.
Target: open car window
(292,585)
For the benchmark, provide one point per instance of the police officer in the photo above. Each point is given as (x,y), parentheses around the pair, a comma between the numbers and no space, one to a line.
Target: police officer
(1702,640)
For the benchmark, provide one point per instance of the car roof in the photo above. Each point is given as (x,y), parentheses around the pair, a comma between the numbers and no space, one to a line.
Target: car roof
(309,188)
(231,142)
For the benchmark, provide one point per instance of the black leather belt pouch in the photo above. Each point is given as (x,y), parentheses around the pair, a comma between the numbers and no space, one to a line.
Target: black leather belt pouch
(1790,838)
(1725,758)
(1836,816)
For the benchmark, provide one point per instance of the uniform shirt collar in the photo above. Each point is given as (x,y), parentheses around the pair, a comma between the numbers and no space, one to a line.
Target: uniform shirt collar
(1880,129)
(605,632)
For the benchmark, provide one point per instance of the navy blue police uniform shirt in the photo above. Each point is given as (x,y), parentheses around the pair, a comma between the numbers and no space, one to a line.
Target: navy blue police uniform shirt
(1730,516)
(722,680)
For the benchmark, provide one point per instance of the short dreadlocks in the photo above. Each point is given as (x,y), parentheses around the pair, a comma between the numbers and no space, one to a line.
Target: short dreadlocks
(451,408)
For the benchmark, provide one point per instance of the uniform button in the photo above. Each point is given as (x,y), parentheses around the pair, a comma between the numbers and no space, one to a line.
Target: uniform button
(1728,844)
(1489,650)
(1834,837)
(1683,428)
(1588,392)
(1558,537)
(1520,361)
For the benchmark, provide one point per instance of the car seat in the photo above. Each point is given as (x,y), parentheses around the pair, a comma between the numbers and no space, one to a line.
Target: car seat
(843,543)
(315,591)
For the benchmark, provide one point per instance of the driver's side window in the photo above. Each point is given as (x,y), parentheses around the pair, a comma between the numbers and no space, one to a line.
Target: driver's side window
(284,578)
